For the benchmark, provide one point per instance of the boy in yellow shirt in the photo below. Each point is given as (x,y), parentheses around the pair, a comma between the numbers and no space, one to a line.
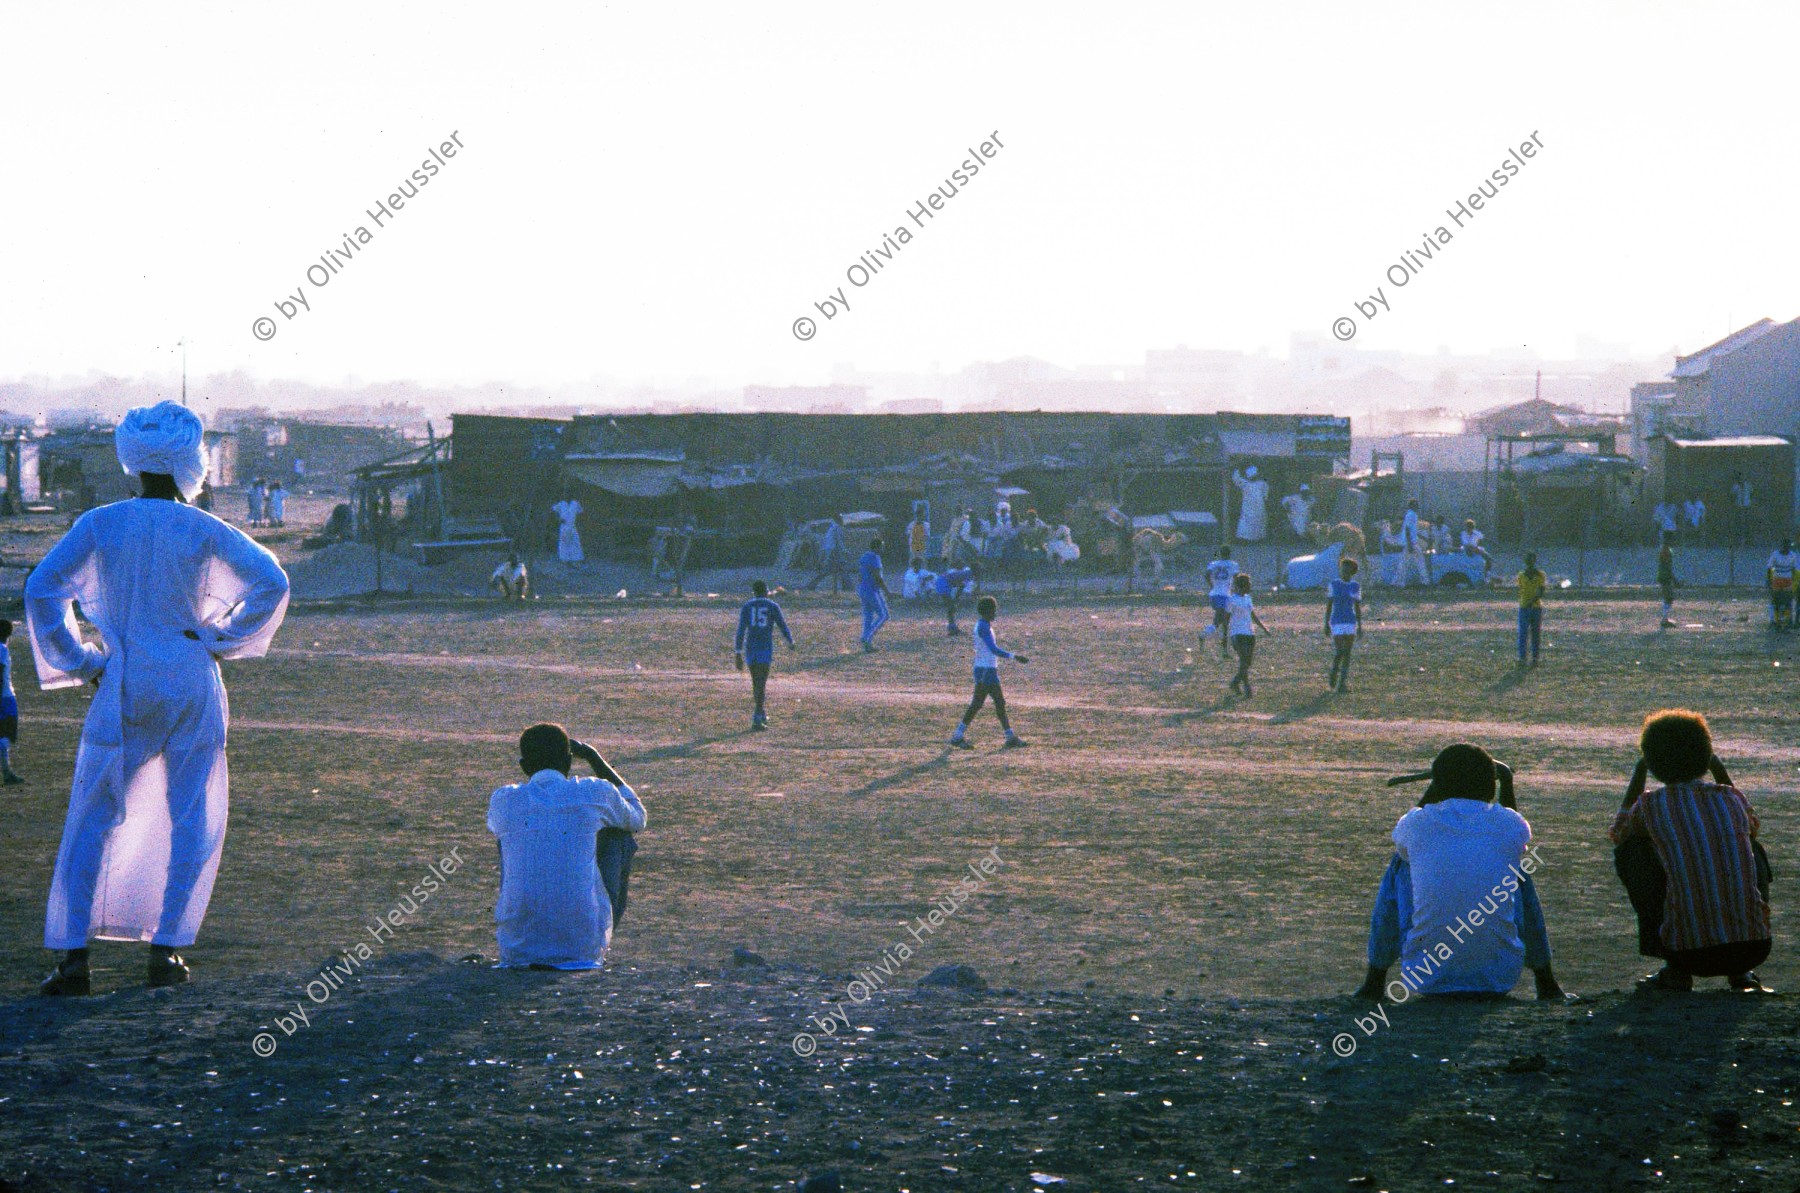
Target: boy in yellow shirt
(1532,583)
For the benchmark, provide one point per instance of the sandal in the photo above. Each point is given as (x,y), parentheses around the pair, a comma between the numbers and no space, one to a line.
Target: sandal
(65,985)
(167,970)
(1669,979)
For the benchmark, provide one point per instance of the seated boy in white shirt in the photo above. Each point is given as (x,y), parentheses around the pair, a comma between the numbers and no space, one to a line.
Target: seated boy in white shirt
(918,581)
(1457,907)
(554,910)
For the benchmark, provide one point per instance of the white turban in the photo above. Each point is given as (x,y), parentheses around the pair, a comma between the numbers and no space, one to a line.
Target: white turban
(167,438)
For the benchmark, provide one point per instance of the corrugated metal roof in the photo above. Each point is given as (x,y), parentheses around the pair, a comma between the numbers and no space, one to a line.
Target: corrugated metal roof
(1696,364)
(1733,441)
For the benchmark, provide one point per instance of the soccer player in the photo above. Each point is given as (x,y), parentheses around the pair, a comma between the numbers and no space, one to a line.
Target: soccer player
(1343,622)
(1532,583)
(951,585)
(9,708)
(1665,578)
(872,587)
(757,622)
(1780,576)
(1243,625)
(831,556)
(988,654)
(1220,573)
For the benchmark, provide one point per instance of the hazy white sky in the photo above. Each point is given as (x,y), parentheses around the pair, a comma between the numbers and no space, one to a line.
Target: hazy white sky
(657,192)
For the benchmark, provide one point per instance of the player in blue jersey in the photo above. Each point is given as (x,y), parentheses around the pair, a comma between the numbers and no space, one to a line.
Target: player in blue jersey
(757,622)
(9,708)
(987,676)
(872,587)
(1343,622)
(951,585)
(1219,574)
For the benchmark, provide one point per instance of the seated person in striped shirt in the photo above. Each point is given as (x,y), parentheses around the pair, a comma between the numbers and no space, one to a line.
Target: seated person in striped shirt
(1688,856)
(1457,907)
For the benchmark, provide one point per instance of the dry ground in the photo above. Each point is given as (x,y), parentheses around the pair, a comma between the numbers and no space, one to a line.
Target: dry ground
(1191,871)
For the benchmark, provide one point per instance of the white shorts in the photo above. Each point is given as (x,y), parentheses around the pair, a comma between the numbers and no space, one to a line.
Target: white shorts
(1344,631)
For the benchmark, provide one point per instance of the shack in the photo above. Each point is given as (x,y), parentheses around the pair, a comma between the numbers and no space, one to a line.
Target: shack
(748,478)
(1679,468)
(79,469)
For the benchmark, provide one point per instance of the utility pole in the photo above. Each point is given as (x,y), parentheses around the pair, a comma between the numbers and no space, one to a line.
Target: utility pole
(183,344)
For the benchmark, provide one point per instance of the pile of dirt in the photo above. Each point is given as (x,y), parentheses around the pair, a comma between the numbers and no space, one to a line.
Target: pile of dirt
(420,1073)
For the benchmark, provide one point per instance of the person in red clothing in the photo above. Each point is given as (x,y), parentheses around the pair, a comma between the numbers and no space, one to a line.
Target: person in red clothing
(1688,856)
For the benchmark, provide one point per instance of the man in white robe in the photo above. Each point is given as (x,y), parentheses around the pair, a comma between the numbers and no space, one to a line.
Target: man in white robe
(1253,514)
(171,590)
(568,538)
(1412,553)
(1299,507)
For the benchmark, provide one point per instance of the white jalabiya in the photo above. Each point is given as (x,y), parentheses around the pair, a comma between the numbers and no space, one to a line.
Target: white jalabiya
(146,823)
(568,539)
(553,908)
(1061,546)
(1299,507)
(1253,516)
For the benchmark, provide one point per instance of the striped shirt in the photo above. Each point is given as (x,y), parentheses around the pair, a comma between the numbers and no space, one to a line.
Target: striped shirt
(1702,833)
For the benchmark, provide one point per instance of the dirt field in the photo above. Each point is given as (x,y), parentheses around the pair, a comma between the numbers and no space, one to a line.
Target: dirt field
(1180,905)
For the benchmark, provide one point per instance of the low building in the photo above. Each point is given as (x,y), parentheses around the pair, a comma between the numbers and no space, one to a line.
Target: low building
(1679,469)
(747,477)
(1747,384)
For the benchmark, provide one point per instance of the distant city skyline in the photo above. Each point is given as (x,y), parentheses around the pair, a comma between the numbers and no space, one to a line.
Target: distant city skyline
(1318,374)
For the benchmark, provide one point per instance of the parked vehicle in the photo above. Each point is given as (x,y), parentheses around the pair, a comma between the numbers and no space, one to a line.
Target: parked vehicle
(1451,569)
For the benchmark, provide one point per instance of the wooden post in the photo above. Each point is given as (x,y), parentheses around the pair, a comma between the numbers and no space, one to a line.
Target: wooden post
(1587,517)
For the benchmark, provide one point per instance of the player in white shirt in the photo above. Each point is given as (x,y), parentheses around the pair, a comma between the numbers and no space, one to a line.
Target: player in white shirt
(1780,575)
(1219,574)
(1243,624)
(988,653)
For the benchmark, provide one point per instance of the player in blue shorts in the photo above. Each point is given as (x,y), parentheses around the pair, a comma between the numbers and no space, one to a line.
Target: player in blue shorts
(872,587)
(987,676)
(9,708)
(757,622)
(1219,574)
(951,585)
(1343,622)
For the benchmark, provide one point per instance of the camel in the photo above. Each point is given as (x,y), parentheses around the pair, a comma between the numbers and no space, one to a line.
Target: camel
(1355,545)
(1148,544)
